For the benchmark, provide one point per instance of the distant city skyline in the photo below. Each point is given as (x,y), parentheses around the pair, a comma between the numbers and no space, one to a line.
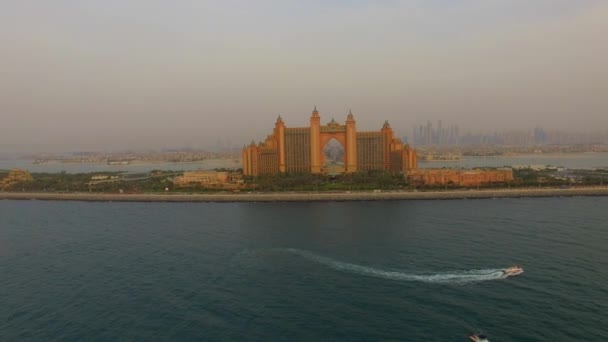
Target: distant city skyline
(115,75)
(452,134)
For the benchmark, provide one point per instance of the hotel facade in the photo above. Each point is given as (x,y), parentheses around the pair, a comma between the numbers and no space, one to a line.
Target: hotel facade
(301,149)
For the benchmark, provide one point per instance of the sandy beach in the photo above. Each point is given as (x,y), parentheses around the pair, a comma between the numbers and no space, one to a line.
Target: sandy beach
(310,197)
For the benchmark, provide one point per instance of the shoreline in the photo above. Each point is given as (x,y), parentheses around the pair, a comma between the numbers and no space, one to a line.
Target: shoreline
(309,197)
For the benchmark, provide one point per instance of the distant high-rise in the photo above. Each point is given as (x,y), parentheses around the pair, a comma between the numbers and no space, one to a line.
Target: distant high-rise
(540,137)
(441,135)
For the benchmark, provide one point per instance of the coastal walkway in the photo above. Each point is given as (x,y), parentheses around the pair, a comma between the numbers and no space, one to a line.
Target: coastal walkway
(312,196)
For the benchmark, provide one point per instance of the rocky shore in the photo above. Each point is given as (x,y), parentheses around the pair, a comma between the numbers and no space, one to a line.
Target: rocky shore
(311,197)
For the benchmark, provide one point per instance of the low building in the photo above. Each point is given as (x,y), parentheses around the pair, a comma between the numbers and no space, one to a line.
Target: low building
(210,179)
(444,177)
(103,177)
(15,176)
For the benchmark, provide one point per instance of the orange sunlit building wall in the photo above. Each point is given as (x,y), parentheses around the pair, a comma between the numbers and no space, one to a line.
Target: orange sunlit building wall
(442,177)
(300,149)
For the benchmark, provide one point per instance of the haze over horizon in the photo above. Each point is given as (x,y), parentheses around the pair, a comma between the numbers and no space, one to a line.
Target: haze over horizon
(158,74)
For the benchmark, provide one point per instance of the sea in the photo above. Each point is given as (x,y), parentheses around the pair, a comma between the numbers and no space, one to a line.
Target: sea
(8,163)
(590,160)
(310,271)
(565,160)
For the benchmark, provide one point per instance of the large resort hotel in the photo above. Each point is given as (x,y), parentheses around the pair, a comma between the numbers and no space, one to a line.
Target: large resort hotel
(301,149)
(305,150)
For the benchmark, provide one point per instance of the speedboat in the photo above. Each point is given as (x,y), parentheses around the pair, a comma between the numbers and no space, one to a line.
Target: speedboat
(478,338)
(513,271)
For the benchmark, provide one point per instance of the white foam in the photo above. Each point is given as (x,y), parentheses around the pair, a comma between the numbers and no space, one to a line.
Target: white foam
(454,277)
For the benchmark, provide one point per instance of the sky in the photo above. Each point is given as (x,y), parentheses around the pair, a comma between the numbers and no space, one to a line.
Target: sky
(136,74)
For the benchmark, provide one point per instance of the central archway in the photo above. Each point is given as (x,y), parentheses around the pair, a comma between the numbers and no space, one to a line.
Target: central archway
(345,135)
(333,157)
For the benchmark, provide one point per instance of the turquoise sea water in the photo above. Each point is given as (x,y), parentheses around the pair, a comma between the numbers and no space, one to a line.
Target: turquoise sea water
(55,167)
(567,160)
(353,271)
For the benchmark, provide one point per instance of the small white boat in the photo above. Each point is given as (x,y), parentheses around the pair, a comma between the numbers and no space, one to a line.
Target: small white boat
(478,338)
(513,271)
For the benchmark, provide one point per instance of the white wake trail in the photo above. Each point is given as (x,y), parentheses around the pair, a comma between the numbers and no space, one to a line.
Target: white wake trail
(455,277)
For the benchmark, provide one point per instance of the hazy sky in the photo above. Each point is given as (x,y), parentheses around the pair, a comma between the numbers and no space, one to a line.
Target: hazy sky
(146,73)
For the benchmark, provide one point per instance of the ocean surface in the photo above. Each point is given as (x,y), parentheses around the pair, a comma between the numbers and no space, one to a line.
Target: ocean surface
(567,160)
(56,167)
(351,271)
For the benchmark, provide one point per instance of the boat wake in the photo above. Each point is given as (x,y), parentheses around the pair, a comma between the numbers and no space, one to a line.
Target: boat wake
(454,277)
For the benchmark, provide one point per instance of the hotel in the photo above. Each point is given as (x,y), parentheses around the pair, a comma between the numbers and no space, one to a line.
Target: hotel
(300,149)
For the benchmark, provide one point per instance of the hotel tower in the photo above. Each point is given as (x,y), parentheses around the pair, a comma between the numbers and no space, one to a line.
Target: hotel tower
(300,149)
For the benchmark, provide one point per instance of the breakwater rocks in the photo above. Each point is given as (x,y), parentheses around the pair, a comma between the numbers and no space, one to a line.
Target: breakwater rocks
(309,197)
